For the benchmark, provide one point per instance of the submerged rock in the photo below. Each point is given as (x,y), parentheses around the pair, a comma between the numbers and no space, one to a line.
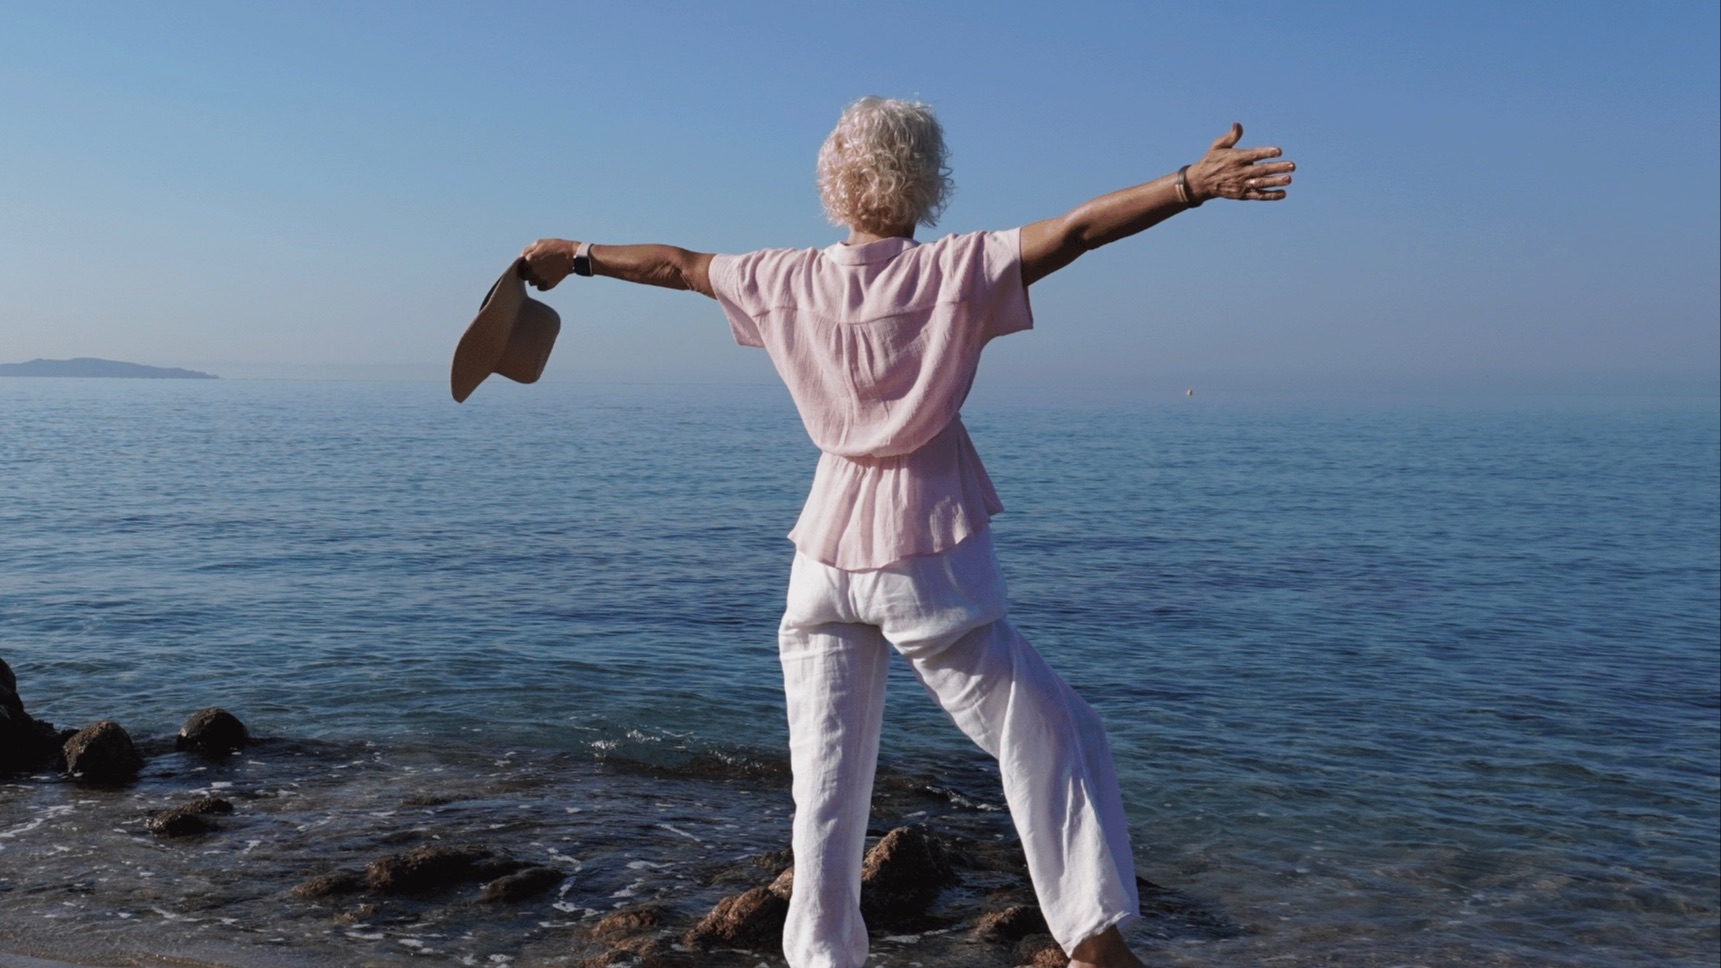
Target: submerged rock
(213,732)
(425,869)
(519,886)
(752,920)
(189,818)
(334,882)
(102,753)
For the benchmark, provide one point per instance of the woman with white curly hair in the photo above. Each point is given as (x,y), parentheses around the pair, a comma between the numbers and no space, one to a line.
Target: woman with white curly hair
(878,339)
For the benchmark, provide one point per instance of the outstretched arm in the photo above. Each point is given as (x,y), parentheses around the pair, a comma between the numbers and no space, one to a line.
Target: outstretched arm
(549,261)
(1224,172)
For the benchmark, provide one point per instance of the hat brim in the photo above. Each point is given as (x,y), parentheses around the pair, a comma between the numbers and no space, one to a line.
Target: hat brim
(485,341)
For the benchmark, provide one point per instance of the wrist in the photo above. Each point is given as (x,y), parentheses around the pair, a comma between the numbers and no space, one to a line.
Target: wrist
(583,259)
(1189,189)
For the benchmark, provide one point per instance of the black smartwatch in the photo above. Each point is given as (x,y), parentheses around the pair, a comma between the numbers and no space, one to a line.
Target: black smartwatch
(583,259)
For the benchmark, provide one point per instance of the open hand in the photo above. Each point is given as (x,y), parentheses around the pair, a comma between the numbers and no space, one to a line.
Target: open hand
(1227,171)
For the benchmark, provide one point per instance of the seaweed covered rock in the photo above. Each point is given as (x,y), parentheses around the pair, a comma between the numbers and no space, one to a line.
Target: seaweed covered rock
(102,753)
(213,732)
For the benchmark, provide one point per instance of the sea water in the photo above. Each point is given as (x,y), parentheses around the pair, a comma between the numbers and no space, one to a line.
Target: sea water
(1390,679)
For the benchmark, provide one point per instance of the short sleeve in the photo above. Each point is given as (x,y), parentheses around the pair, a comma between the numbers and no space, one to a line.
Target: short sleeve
(734,284)
(1009,311)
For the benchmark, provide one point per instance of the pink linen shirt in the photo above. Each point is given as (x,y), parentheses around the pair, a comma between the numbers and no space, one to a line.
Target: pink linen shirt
(878,344)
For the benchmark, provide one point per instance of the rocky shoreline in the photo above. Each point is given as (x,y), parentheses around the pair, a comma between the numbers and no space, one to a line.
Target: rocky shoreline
(944,884)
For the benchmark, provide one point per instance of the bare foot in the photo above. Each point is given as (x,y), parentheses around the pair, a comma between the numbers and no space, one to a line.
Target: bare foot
(1105,950)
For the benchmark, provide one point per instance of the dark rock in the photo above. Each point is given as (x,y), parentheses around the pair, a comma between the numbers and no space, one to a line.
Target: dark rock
(16,735)
(25,744)
(189,818)
(102,753)
(334,882)
(494,866)
(425,869)
(752,920)
(527,883)
(212,732)
(179,822)
(210,805)
(1011,924)
(902,874)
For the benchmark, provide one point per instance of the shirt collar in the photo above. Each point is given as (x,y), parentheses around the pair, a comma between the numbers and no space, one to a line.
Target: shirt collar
(880,250)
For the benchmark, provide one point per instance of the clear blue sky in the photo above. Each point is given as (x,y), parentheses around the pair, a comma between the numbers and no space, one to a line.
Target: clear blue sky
(1519,190)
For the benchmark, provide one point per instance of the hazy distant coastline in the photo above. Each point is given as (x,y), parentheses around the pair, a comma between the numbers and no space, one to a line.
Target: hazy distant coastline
(89,366)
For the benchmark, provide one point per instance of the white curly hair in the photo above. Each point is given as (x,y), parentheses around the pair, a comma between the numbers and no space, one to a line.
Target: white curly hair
(883,167)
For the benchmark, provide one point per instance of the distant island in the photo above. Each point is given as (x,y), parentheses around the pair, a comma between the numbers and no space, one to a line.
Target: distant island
(89,366)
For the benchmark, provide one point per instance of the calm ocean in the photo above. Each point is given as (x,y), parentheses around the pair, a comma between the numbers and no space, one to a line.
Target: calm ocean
(1390,680)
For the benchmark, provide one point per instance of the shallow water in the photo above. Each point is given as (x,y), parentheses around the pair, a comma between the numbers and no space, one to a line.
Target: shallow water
(1390,681)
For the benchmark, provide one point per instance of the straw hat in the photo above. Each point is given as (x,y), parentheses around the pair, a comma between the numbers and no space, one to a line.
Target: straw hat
(511,335)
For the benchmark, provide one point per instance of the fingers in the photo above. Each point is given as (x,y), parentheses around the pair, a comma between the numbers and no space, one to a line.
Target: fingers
(1274,181)
(1229,138)
(1273,168)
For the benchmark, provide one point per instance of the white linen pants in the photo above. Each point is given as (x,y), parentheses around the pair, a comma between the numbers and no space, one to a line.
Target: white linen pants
(945,614)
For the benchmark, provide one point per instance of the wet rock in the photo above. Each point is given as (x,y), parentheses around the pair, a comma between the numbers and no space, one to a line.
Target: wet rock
(102,753)
(642,953)
(902,874)
(495,866)
(189,818)
(334,882)
(629,922)
(752,920)
(1039,951)
(25,744)
(425,869)
(1168,913)
(632,937)
(1010,924)
(179,823)
(359,913)
(212,732)
(784,885)
(521,885)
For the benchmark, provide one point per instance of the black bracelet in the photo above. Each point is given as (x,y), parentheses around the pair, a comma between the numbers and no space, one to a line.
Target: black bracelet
(1183,188)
